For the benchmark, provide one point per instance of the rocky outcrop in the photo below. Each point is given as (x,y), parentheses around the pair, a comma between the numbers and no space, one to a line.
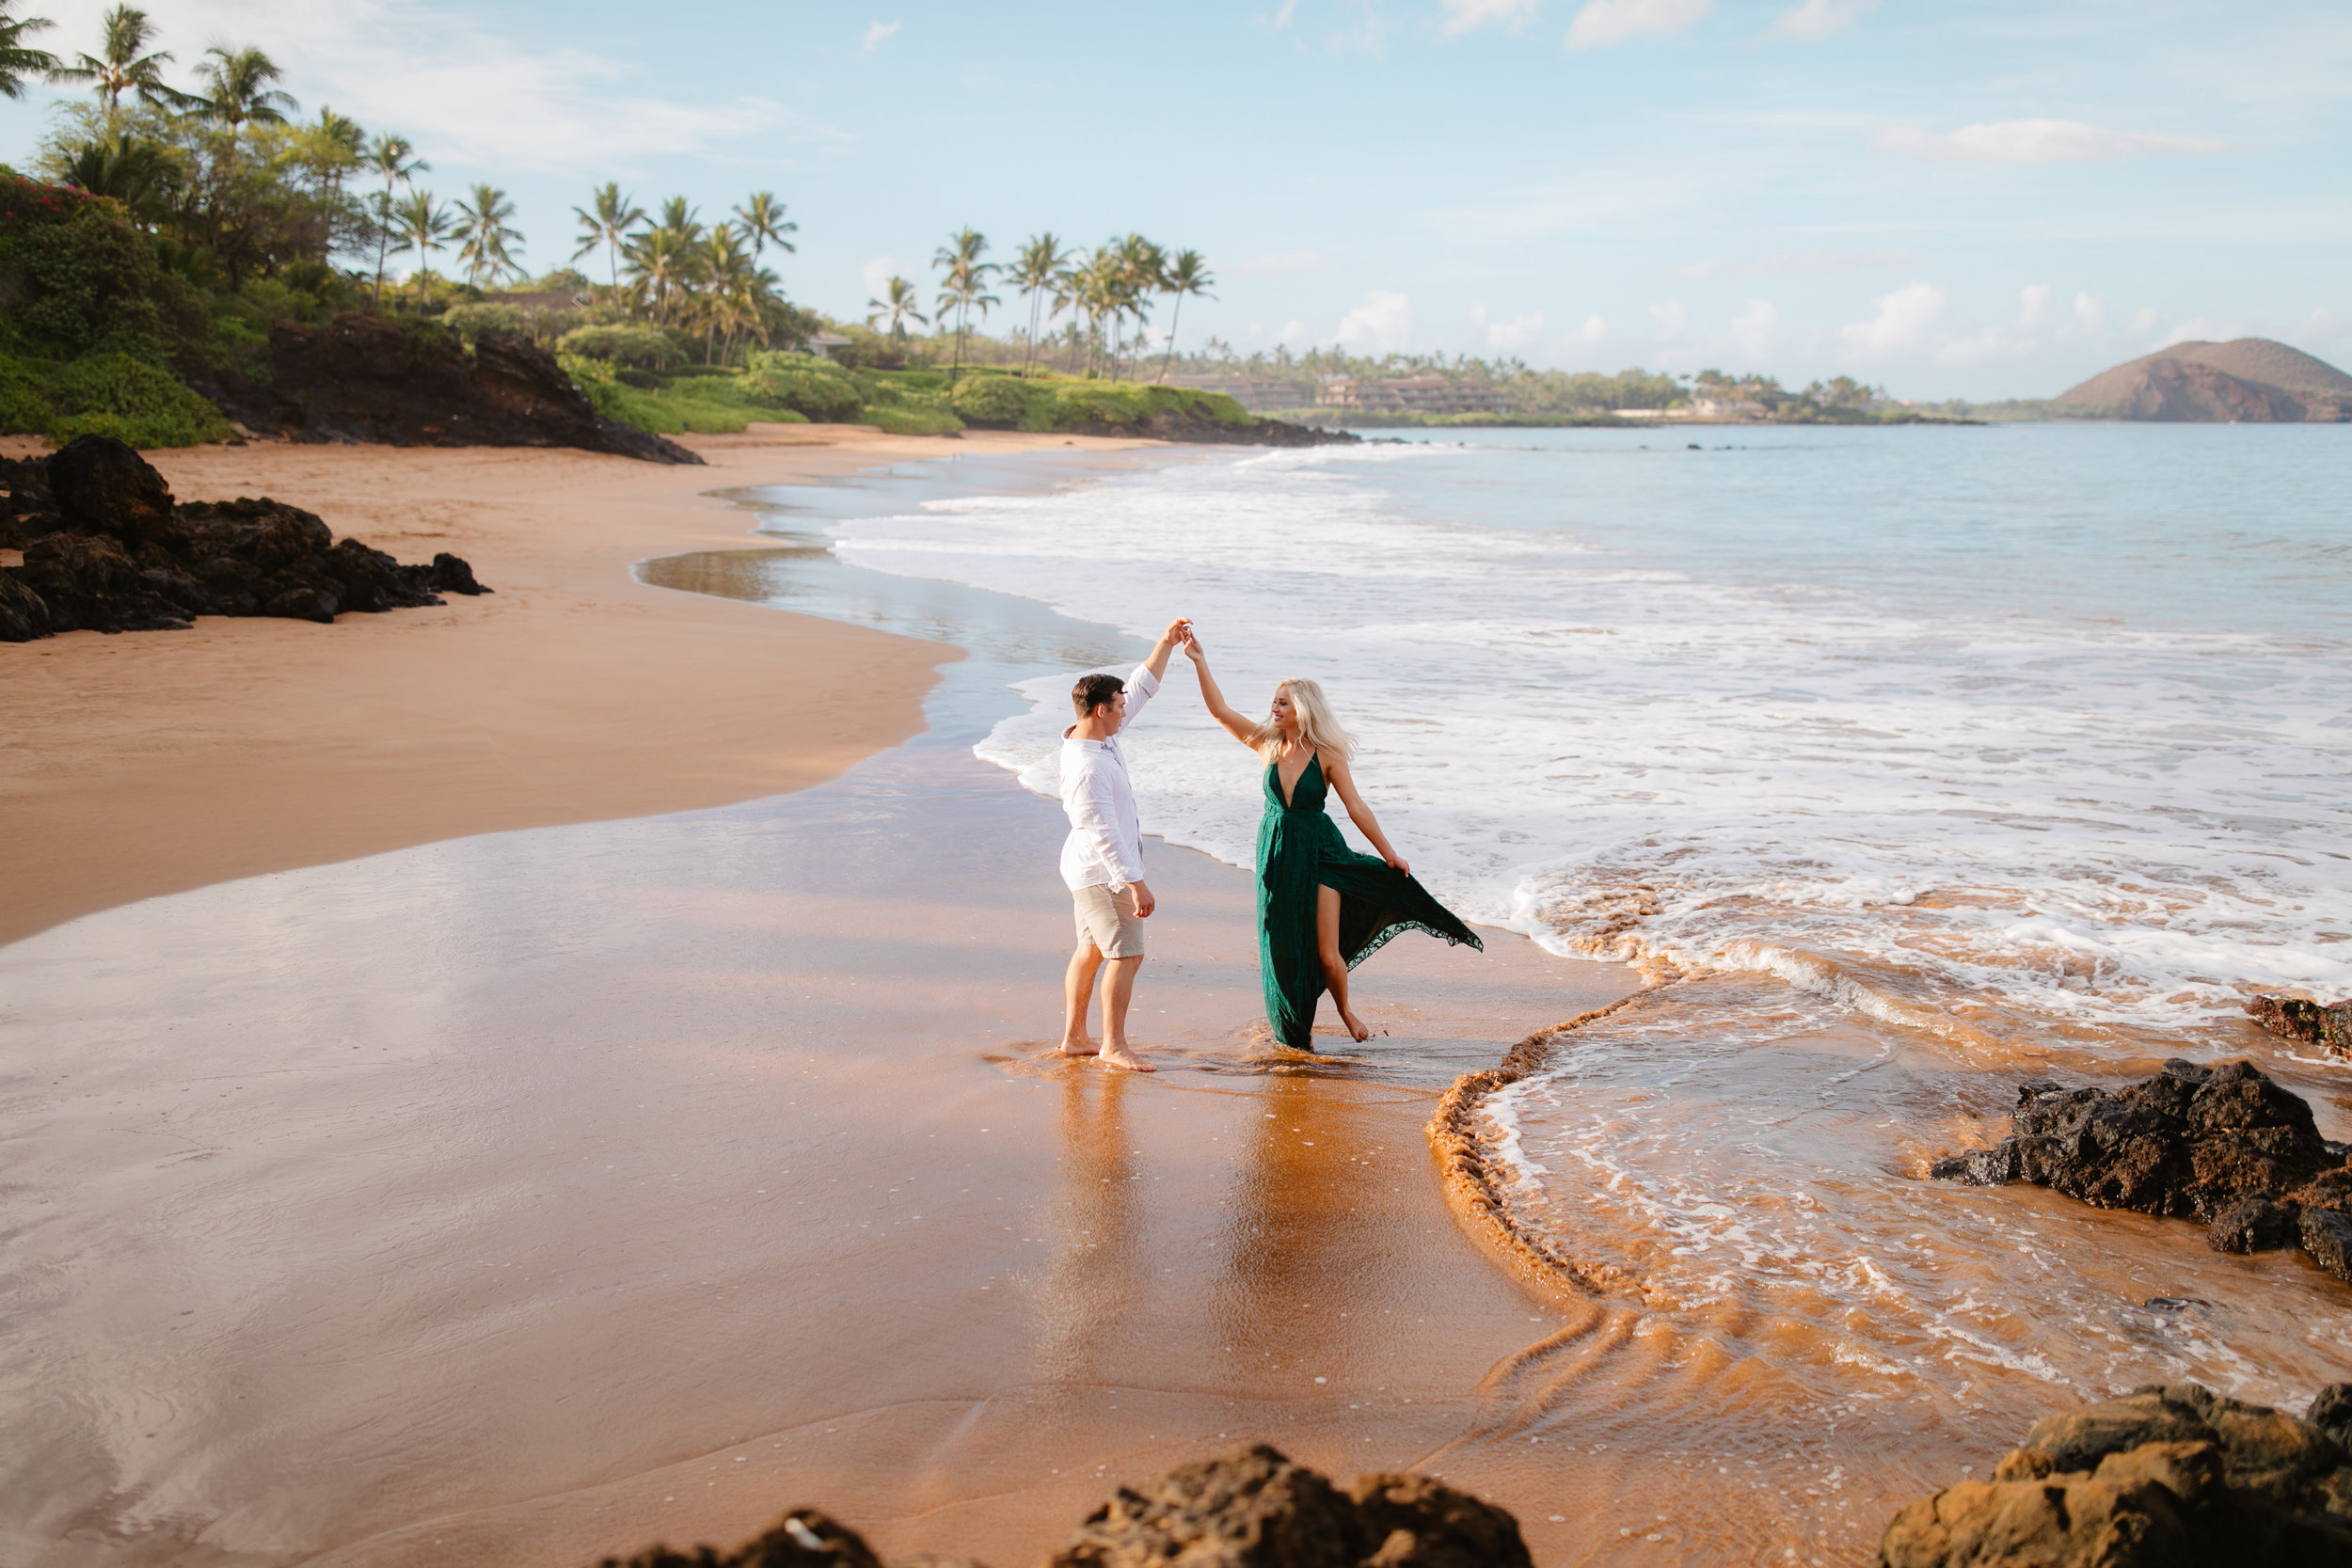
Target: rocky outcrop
(1199,429)
(1248,1508)
(2222,1145)
(2169,1473)
(363,377)
(106,549)
(2327,1025)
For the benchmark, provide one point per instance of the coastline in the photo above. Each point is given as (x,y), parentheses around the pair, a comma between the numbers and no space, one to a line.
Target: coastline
(487,1200)
(151,763)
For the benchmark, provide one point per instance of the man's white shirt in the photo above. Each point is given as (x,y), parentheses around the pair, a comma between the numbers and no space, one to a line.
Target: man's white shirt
(1106,843)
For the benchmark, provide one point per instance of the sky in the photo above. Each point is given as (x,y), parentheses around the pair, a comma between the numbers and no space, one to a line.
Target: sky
(1975,199)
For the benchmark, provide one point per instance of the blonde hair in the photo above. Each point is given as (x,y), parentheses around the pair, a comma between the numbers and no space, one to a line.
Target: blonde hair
(1317,726)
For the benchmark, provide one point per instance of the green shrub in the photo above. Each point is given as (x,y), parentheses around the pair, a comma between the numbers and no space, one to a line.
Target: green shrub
(114,394)
(645,348)
(76,276)
(522,320)
(24,403)
(826,399)
(909,418)
(705,405)
(1000,402)
(1083,403)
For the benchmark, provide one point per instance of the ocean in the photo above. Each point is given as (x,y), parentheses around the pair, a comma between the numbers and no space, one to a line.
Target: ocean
(1903,766)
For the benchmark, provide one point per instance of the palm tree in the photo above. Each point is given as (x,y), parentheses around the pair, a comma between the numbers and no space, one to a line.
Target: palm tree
(394,159)
(679,218)
(898,303)
(1033,275)
(17,61)
(133,171)
(657,265)
(605,221)
(764,222)
(238,91)
(482,226)
(124,64)
(966,276)
(424,223)
(1186,275)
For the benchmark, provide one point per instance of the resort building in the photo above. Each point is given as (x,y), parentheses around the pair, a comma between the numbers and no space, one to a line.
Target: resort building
(1411,394)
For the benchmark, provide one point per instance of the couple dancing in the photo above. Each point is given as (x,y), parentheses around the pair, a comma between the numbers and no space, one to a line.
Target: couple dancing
(1322,908)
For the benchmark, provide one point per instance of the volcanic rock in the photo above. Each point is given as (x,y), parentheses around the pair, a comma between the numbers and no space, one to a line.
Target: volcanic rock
(2167,1474)
(1248,1508)
(2223,1145)
(363,377)
(2327,1026)
(106,549)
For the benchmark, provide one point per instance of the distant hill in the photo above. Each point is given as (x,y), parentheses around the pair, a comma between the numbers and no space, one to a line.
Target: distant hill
(2253,379)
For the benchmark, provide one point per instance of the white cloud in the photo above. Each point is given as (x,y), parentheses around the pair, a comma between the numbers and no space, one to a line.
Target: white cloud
(2038,141)
(1462,16)
(2090,311)
(1605,201)
(2201,329)
(1518,332)
(1802,260)
(1293,332)
(1281,263)
(2031,301)
(2145,322)
(1671,319)
(1818,19)
(1901,321)
(1383,324)
(876,275)
(877,34)
(1607,22)
(1594,329)
(1983,347)
(1757,329)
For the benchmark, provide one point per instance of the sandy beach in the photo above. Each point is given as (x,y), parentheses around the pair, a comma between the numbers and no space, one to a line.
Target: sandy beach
(148,763)
(412,1177)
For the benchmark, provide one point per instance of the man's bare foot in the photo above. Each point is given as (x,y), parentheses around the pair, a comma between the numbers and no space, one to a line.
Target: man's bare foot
(1119,1055)
(1356,1030)
(1081,1047)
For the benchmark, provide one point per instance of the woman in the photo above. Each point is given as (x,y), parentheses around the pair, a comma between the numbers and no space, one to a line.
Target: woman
(1323,909)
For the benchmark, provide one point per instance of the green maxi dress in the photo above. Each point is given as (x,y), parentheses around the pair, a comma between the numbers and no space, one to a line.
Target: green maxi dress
(1299,850)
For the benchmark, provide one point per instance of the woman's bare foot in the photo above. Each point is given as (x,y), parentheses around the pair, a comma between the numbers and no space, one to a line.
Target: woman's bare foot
(1356,1030)
(1079,1047)
(1119,1055)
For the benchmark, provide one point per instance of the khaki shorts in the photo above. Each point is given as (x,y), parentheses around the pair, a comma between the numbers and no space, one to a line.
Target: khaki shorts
(1107,920)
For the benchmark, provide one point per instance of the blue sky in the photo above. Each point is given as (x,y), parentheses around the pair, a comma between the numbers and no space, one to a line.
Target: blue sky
(1975,198)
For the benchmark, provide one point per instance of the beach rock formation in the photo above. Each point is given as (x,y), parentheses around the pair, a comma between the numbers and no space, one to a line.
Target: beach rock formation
(106,549)
(2222,1145)
(1247,1508)
(2327,1025)
(1166,426)
(365,377)
(2169,1473)
(2251,380)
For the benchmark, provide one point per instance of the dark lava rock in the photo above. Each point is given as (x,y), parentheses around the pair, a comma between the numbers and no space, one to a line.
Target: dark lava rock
(2170,1474)
(363,377)
(2327,1025)
(1248,1508)
(105,549)
(1168,426)
(1252,1508)
(2223,1145)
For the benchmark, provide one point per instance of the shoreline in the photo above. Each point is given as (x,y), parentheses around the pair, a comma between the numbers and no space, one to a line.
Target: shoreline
(150,761)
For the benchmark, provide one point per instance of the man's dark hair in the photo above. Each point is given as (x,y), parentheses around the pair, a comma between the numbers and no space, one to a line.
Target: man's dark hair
(1092,691)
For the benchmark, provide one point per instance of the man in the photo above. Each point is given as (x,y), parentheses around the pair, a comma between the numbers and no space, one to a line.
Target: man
(1102,860)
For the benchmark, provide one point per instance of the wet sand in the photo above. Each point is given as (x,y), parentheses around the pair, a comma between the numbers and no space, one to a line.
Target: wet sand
(153,762)
(535,1195)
